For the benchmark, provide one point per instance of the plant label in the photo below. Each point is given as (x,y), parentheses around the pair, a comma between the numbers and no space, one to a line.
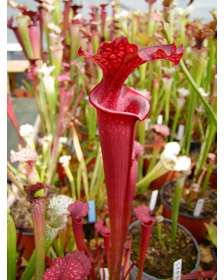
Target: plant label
(92,211)
(153,200)
(105,272)
(177,267)
(147,122)
(180,132)
(160,119)
(78,111)
(198,208)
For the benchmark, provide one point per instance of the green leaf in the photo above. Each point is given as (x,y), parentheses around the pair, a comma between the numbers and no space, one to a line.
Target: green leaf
(212,234)
(11,248)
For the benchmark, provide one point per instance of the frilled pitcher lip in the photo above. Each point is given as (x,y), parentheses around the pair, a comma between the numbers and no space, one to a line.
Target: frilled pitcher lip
(140,116)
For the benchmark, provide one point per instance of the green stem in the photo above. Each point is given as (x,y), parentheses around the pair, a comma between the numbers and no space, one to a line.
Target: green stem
(174,127)
(11,248)
(71,181)
(158,170)
(189,77)
(206,180)
(141,132)
(159,231)
(176,204)
(167,106)
(195,87)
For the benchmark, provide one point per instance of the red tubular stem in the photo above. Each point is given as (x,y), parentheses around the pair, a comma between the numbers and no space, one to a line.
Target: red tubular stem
(77,230)
(146,232)
(117,145)
(130,268)
(127,258)
(48,260)
(13,119)
(106,238)
(38,215)
(66,16)
(131,194)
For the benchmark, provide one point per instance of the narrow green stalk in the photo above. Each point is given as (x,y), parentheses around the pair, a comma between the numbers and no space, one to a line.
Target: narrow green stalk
(196,88)
(176,203)
(95,172)
(52,252)
(79,179)
(30,269)
(149,83)
(211,45)
(149,27)
(11,248)
(197,70)
(71,181)
(167,106)
(209,136)
(142,70)
(153,159)
(62,236)
(159,232)
(156,172)
(141,133)
(206,180)
(189,77)
(174,127)
(43,105)
(56,15)
(155,93)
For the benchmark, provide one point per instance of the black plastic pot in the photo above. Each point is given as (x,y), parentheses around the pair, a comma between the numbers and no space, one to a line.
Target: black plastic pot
(196,225)
(134,272)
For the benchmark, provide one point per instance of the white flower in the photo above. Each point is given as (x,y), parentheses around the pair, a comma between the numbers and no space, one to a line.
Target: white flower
(202,91)
(169,155)
(173,147)
(180,102)
(183,163)
(49,7)
(64,160)
(54,27)
(12,152)
(167,83)
(46,70)
(48,138)
(122,15)
(159,219)
(185,12)
(59,204)
(78,16)
(168,71)
(26,130)
(63,140)
(12,4)
(183,92)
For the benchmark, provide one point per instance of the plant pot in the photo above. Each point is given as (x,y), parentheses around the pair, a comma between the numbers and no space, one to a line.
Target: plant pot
(27,240)
(134,272)
(19,92)
(28,94)
(196,225)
